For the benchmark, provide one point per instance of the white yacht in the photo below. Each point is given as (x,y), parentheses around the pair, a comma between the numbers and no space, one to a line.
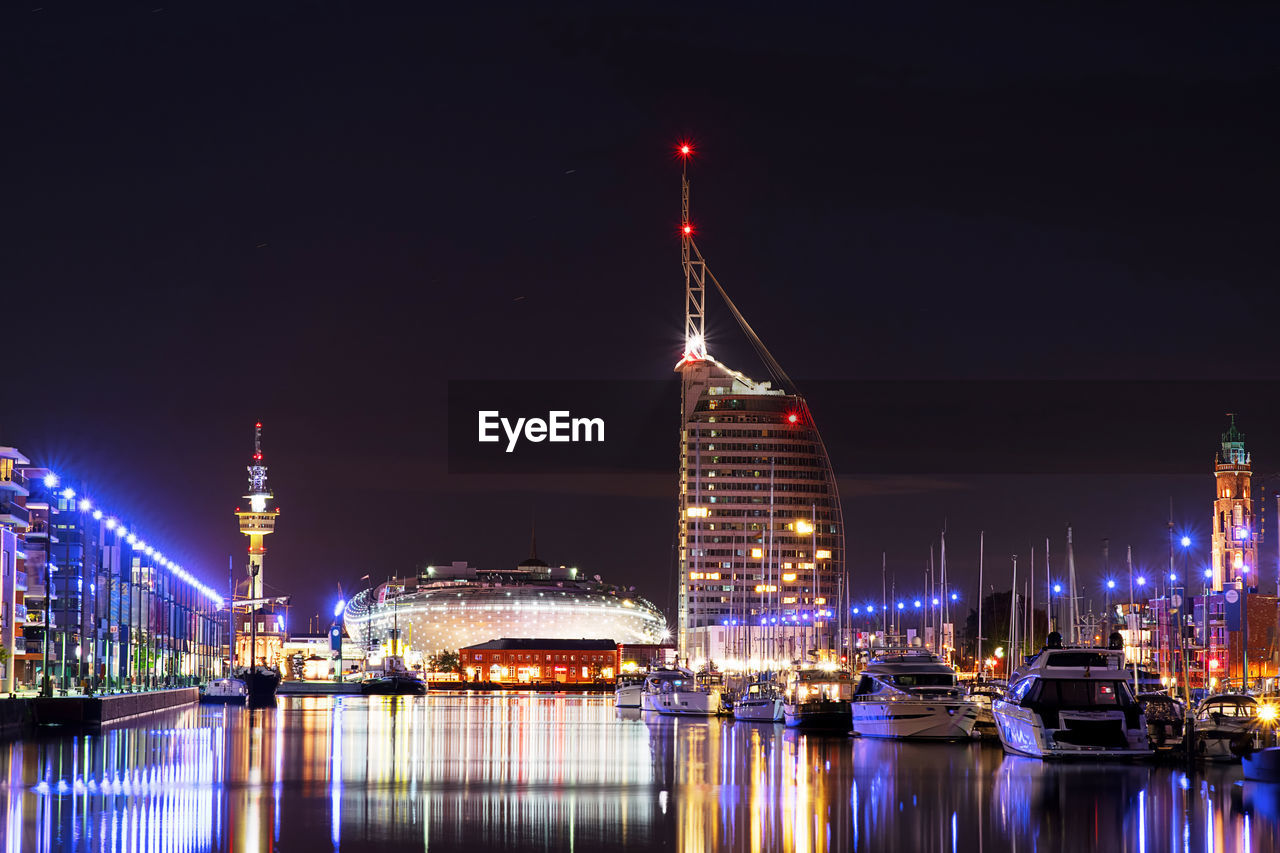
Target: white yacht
(761,703)
(1227,727)
(818,698)
(629,690)
(699,696)
(657,682)
(1072,702)
(910,693)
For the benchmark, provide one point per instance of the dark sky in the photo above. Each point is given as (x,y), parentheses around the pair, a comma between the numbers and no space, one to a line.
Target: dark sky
(317,215)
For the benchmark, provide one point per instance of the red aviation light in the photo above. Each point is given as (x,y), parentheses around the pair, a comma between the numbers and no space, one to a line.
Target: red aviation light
(686,230)
(258,425)
(684,149)
(793,418)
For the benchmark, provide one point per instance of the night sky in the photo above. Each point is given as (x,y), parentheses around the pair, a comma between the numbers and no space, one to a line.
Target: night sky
(318,218)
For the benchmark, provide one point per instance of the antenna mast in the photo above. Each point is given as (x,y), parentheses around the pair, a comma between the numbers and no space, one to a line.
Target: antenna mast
(695,271)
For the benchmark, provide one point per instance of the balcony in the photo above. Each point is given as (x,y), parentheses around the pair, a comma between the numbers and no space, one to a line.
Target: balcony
(12,483)
(11,513)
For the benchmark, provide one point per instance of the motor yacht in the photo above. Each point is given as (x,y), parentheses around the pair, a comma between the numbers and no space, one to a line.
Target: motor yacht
(657,682)
(1073,702)
(817,698)
(702,695)
(225,691)
(629,690)
(761,702)
(1227,727)
(910,693)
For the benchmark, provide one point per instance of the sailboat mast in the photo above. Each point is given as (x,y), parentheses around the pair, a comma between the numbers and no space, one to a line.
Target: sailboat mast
(981,536)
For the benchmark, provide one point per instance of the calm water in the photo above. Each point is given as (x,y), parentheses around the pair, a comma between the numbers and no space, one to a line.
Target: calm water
(550,773)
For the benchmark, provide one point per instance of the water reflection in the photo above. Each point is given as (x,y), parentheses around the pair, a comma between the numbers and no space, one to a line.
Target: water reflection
(573,773)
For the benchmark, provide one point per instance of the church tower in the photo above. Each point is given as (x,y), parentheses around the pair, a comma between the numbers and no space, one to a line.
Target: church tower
(1235,531)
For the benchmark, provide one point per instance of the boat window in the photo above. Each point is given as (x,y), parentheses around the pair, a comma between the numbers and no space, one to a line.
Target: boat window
(1083,693)
(1079,658)
(1020,689)
(865,686)
(925,679)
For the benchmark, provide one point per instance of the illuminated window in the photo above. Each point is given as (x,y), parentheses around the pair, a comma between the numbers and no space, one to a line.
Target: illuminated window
(696,512)
(789,577)
(790,599)
(757,553)
(824,554)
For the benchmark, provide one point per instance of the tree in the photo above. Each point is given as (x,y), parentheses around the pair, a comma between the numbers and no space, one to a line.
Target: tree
(446,661)
(995,626)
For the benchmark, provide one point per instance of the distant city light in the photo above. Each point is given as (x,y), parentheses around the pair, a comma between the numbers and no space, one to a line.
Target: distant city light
(85,506)
(68,493)
(97,515)
(899,605)
(1173,576)
(1186,541)
(1142,581)
(50,480)
(1057,587)
(935,602)
(1208,573)
(339,607)
(1111,584)
(917,602)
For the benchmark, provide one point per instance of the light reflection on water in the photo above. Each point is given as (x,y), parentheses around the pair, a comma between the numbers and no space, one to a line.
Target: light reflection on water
(571,773)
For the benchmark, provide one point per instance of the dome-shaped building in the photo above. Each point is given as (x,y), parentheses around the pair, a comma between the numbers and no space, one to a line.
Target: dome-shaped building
(447,608)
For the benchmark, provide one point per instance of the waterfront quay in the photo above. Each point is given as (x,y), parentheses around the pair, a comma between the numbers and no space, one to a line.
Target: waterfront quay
(545,772)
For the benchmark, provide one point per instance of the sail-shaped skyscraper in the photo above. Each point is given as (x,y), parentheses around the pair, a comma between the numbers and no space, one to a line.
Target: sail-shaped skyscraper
(761,535)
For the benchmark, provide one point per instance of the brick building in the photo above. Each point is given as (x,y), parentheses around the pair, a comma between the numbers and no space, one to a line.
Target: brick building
(533,660)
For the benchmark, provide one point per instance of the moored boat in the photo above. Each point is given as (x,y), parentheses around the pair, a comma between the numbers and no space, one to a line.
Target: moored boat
(1227,727)
(817,698)
(910,693)
(659,681)
(394,684)
(1073,703)
(225,691)
(261,682)
(629,690)
(700,696)
(761,702)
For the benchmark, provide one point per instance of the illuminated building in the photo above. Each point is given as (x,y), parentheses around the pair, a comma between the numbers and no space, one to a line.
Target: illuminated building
(534,660)
(260,615)
(761,535)
(120,612)
(447,608)
(14,521)
(1235,533)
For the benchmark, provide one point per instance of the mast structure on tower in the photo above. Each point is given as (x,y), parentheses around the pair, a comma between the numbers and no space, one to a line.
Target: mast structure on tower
(695,272)
(260,519)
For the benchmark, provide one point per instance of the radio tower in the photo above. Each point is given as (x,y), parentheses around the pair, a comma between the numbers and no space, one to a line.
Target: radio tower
(258,521)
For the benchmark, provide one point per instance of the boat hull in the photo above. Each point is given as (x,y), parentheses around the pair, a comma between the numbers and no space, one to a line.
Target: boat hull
(1105,735)
(261,682)
(758,710)
(1263,765)
(818,716)
(629,696)
(915,720)
(394,687)
(681,703)
(1223,743)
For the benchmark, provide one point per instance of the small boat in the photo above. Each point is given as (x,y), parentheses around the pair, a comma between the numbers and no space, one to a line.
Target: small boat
(700,696)
(818,698)
(1227,727)
(657,682)
(394,684)
(761,702)
(1166,720)
(629,690)
(225,691)
(1073,703)
(910,693)
(983,694)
